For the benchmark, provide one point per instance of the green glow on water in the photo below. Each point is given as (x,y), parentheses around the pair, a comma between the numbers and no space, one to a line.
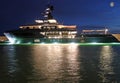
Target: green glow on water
(56,43)
(95,44)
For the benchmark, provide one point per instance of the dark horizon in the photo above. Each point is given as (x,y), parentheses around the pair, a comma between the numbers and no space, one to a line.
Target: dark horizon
(79,12)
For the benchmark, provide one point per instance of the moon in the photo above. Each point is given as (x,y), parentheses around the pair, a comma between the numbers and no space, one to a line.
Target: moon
(112,4)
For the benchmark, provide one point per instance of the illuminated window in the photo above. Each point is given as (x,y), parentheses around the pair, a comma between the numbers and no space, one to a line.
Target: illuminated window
(36,40)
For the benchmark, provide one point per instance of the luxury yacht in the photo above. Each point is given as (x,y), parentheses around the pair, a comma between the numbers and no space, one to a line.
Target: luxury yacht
(49,30)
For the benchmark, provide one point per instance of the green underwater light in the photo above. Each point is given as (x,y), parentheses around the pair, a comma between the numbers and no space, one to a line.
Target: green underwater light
(57,43)
(95,44)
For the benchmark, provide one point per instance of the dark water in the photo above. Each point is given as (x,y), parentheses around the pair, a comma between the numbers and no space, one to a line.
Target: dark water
(59,64)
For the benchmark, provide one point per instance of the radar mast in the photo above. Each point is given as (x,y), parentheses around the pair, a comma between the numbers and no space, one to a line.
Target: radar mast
(48,12)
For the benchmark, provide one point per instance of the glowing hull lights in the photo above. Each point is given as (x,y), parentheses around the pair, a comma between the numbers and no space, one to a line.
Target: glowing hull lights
(87,39)
(52,40)
(80,44)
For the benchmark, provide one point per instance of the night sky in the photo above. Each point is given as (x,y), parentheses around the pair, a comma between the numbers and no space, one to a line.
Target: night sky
(14,13)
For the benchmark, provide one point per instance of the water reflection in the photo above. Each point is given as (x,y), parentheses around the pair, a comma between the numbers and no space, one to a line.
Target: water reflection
(106,59)
(9,63)
(55,63)
(59,64)
(89,59)
(11,58)
(17,64)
